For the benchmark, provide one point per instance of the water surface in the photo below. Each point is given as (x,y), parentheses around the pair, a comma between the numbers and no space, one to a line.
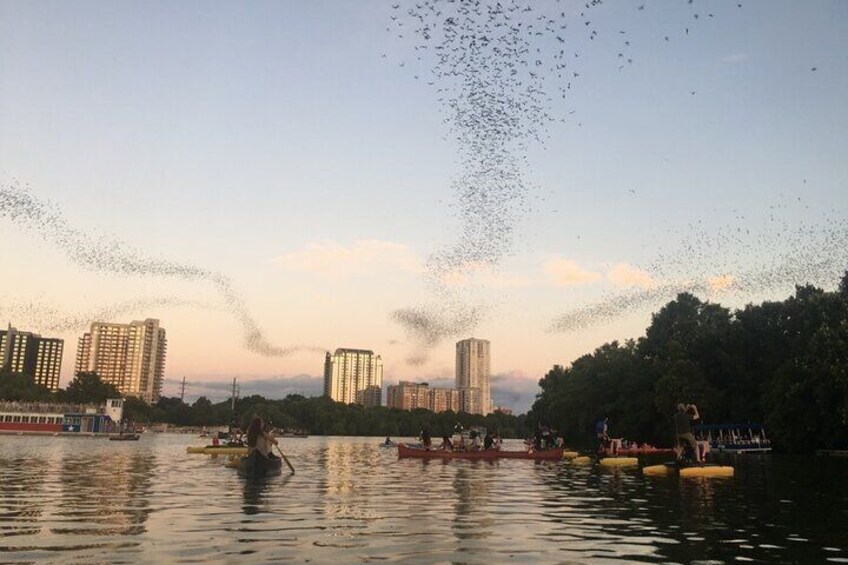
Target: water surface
(91,500)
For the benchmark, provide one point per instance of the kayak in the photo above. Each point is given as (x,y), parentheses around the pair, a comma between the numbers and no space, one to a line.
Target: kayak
(257,466)
(217,449)
(619,462)
(485,455)
(689,469)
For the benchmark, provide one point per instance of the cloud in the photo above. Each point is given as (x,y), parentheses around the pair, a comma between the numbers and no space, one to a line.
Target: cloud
(484,275)
(565,272)
(628,276)
(721,283)
(363,256)
(514,389)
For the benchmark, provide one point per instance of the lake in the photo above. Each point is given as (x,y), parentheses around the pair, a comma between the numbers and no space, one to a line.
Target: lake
(91,500)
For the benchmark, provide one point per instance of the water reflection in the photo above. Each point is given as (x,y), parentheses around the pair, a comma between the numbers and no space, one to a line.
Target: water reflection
(106,496)
(472,490)
(22,495)
(91,501)
(254,491)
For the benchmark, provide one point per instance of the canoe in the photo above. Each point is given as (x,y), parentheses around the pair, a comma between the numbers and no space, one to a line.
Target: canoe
(217,450)
(689,470)
(548,454)
(257,466)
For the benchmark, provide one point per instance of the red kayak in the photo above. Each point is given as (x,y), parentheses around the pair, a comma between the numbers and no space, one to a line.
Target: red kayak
(547,455)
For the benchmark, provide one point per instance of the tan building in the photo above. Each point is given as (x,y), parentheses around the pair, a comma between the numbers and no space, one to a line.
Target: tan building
(31,354)
(348,371)
(407,395)
(129,356)
(473,376)
(444,399)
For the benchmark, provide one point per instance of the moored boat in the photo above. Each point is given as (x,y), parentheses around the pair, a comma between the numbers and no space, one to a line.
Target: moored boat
(124,437)
(490,454)
(256,465)
(734,438)
(40,418)
(618,447)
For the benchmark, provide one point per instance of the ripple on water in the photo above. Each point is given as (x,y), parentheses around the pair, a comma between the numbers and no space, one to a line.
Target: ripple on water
(66,500)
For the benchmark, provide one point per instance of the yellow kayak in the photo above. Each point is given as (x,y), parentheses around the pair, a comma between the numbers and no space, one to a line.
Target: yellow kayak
(217,450)
(619,462)
(689,471)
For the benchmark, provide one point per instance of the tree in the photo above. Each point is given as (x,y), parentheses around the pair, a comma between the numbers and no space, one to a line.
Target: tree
(87,388)
(21,387)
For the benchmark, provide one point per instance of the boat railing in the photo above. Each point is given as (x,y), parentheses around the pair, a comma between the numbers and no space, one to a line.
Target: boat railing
(49,407)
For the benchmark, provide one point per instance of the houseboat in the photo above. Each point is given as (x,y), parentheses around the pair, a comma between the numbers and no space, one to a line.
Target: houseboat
(734,438)
(25,418)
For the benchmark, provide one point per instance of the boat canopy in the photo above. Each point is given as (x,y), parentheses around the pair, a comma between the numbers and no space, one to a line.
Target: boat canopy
(727,427)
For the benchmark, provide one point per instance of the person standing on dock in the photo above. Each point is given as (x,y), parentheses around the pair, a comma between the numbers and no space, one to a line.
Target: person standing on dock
(683,427)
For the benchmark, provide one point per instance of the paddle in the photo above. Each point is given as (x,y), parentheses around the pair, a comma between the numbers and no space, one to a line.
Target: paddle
(286,459)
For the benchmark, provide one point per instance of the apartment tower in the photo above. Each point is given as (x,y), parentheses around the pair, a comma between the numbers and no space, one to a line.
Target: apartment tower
(348,371)
(473,376)
(129,356)
(31,354)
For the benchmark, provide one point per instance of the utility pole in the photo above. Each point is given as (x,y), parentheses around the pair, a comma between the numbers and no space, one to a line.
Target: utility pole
(182,390)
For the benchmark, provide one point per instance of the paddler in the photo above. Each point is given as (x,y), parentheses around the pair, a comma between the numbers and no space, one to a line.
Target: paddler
(259,439)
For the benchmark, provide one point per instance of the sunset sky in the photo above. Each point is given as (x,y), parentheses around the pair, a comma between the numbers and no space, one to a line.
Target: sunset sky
(289,147)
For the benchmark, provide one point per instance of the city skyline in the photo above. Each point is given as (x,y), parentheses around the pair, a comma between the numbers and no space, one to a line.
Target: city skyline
(271,180)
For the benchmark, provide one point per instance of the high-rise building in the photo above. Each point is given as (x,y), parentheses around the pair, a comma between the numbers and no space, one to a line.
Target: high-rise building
(444,399)
(31,354)
(350,370)
(473,376)
(407,395)
(129,356)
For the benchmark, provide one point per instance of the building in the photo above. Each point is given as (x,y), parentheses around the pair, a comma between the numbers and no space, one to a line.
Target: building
(31,354)
(348,371)
(473,376)
(503,410)
(370,396)
(444,399)
(407,395)
(129,356)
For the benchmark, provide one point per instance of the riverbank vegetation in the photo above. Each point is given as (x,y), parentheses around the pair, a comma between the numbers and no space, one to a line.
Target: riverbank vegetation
(784,364)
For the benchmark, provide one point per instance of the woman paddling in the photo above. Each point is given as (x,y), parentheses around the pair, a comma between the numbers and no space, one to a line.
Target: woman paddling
(258,439)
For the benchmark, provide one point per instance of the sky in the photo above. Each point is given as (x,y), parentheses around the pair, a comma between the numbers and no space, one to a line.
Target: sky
(272,180)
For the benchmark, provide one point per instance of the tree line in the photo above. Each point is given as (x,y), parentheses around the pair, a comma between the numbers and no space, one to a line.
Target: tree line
(784,364)
(315,415)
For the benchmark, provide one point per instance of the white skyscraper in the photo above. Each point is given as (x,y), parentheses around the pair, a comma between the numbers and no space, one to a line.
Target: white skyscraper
(129,356)
(348,371)
(473,376)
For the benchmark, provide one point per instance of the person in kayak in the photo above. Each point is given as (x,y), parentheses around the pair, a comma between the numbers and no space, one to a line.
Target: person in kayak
(447,444)
(258,439)
(683,427)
